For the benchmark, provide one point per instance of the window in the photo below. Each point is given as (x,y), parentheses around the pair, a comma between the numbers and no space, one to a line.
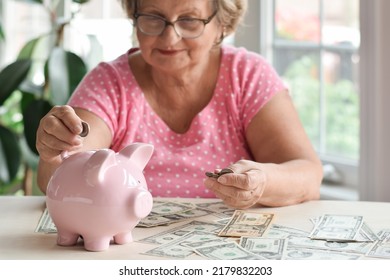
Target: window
(315,49)
(314,45)
(108,23)
(29,21)
(100,20)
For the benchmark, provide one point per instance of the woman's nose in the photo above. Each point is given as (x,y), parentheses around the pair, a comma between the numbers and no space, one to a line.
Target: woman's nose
(170,33)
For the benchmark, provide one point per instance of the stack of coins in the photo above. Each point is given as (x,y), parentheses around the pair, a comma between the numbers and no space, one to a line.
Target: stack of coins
(220,173)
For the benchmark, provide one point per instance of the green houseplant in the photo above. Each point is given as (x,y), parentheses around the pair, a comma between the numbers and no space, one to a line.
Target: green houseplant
(62,70)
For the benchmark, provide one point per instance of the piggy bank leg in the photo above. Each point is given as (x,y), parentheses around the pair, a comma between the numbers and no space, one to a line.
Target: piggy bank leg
(123,238)
(66,238)
(96,244)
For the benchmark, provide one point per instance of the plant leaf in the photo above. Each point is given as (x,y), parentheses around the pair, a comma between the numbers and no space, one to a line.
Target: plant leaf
(2,36)
(80,1)
(65,71)
(12,76)
(10,156)
(31,1)
(77,70)
(32,115)
(27,98)
(28,49)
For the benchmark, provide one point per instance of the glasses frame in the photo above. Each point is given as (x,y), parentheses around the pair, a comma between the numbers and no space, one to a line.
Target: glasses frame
(172,23)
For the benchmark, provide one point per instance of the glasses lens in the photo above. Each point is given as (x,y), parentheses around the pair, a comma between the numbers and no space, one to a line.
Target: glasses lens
(189,28)
(150,25)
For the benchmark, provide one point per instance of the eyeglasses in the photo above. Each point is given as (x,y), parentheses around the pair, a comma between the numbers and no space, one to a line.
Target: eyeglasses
(187,28)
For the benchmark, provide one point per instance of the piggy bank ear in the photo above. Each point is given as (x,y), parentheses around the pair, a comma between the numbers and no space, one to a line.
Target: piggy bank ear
(138,153)
(97,165)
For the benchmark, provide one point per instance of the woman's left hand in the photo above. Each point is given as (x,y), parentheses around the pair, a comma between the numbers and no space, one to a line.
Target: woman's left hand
(241,189)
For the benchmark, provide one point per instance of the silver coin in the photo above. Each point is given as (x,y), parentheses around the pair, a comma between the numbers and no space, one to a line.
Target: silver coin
(225,171)
(212,175)
(85,131)
(220,173)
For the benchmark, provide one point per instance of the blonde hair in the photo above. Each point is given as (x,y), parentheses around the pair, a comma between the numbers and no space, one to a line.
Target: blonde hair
(230,13)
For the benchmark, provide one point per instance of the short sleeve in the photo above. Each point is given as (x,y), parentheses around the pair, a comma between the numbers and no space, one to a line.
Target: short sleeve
(256,83)
(98,93)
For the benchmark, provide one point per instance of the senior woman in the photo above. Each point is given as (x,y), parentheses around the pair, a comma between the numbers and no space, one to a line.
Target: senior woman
(204,106)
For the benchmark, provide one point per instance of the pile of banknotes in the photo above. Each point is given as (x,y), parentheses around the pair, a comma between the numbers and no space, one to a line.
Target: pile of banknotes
(229,234)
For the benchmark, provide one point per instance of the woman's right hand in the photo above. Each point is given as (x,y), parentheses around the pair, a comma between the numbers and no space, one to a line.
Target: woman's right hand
(58,131)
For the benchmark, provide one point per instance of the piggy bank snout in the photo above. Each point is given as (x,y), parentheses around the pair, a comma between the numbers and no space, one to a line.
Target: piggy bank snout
(142,203)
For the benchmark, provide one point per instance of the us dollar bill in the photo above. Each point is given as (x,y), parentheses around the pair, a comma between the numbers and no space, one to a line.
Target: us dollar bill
(204,243)
(348,247)
(381,248)
(166,213)
(177,232)
(308,254)
(268,248)
(366,234)
(247,223)
(46,224)
(337,227)
(177,248)
(226,251)
(280,231)
(170,208)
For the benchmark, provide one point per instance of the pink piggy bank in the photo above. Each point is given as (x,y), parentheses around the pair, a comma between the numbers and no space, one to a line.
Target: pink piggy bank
(100,195)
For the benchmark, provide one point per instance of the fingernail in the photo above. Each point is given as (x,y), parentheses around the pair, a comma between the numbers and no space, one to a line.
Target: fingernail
(77,129)
(221,180)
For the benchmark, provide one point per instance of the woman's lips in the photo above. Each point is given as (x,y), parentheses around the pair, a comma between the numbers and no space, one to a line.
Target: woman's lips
(169,52)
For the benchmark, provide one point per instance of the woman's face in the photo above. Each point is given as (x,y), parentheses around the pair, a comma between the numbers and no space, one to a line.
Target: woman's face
(169,52)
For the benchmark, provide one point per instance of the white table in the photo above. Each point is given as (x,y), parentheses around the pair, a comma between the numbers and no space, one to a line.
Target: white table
(19,217)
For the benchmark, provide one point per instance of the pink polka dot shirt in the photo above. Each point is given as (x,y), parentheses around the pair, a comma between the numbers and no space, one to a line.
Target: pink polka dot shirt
(216,137)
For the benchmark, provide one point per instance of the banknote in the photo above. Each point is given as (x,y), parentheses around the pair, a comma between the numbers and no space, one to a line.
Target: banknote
(170,250)
(176,248)
(189,214)
(226,251)
(174,213)
(204,243)
(154,221)
(337,227)
(381,248)
(45,223)
(247,223)
(223,221)
(381,232)
(177,232)
(268,248)
(219,208)
(170,208)
(215,206)
(280,231)
(199,236)
(308,254)
(349,247)
(366,234)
